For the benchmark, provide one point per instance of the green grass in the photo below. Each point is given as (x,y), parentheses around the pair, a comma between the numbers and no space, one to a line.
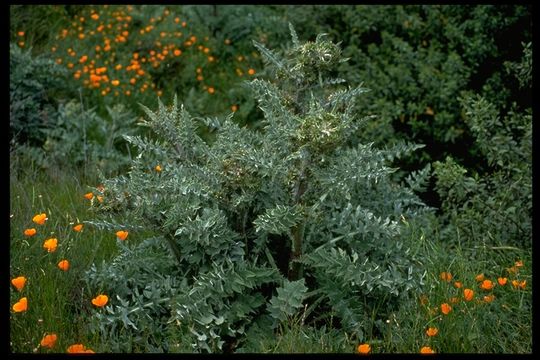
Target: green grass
(57,300)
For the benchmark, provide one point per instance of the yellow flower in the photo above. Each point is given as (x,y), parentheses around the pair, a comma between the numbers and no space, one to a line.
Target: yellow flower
(63,265)
(40,219)
(19,282)
(50,244)
(432,331)
(48,341)
(21,305)
(468,294)
(364,348)
(100,300)
(122,235)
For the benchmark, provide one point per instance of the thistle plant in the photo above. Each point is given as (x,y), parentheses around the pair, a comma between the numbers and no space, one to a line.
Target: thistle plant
(252,225)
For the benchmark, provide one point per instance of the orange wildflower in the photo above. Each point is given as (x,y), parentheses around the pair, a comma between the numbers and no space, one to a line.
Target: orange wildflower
(83,59)
(234,108)
(94,16)
(122,235)
(19,282)
(211,90)
(79,348)
(50,244)
(364,348)
(20,33)
(480,277)
(489,298)
(100,198)
(519,284)
(445,308)
(468,294)
(518,263)
(432,331)
(158,168)
(458,284)
(30,232)
(252,72)
(63,265)
(426,350)
(454,300)
(445,276)
(78,227)
(100,300)
(48,341)
(88,196)
(487,285)
(21,305)
(177,52)
(502,281)
(40,218)
(115,82)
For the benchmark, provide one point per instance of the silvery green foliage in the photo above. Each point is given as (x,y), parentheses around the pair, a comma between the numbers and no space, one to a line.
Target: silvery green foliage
(256,220)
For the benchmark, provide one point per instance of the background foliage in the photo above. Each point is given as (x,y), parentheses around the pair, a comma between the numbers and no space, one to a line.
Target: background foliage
(418,145)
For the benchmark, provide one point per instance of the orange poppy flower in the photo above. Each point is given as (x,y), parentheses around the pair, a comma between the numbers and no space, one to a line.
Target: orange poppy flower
(251,72)
(20,33)
(158,168)
(79,348)
(468,294)
(21,305)
(487,285)
(489,298)
(100,198)
(426,350)
(122,235)
(234,108)
(115,82)
(480,277)
(30,232)
(458,284)
(432,331)
(518,263)
(48,341)
(40,219)
(89,195)
(364,348)
(50,244)
(78,227)
(502,281)
(211,90)
(512,270)
(446,276)
(94,16)
(519,284)
(445,308)
(19,282)
(100,300)
(63,265)
(177,52)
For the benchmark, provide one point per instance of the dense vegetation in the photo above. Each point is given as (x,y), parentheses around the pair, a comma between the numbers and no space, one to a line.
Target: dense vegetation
(213,178)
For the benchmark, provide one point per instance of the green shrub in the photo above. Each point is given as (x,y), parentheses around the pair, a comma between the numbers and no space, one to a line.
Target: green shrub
(494,207)
(261,223)
(30,82)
